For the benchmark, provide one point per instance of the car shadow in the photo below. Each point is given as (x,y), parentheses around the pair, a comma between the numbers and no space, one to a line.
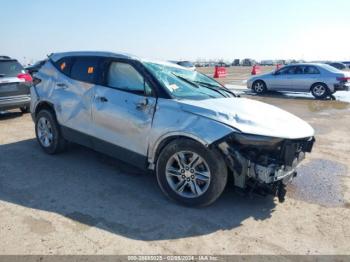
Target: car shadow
(94,190)
(5,115)
(306,101)
(287,95)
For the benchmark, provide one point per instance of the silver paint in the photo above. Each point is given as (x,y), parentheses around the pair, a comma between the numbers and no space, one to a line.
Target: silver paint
(141,124)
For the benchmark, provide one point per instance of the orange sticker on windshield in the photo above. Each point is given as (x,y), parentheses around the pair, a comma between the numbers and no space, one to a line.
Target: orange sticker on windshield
(90,70)
(63,66)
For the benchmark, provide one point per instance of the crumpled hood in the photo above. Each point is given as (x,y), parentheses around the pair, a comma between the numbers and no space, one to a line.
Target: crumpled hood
(250,117)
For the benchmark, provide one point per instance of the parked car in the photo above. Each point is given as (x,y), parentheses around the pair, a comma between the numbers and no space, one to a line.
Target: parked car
(347,63)
(189,65)
(35,67)
(222,64)
(14,85)
(236,62)
(320,79)
(188,128)
(337,65)
(248,62)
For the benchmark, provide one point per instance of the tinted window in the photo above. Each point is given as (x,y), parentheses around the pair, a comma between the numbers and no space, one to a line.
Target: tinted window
(124,76)
(185,64)
(85,69)
(311,70)
(289,70)
(64,65)
(299,70)
(10,68)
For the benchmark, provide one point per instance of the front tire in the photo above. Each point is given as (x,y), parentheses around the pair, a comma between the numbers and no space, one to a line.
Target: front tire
(320,91)
(191,174)
(48,133)
(259,87)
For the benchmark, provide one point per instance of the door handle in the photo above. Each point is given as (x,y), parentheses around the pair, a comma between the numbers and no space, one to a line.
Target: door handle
(62,85)
(102,99)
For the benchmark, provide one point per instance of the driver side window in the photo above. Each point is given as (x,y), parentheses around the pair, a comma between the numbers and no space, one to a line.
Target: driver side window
(290,70)
(124,76)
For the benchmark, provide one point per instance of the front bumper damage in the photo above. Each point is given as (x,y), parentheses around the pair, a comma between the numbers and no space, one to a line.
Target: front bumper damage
(264,164)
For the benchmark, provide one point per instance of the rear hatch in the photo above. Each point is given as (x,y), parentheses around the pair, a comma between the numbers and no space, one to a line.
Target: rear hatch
(13,79)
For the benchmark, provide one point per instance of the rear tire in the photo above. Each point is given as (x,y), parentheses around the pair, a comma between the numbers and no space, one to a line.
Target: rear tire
(48,133)
(320,90)
(259,87)
(191,174)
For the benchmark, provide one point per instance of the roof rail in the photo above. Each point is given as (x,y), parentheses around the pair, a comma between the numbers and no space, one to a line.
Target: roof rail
(4,57)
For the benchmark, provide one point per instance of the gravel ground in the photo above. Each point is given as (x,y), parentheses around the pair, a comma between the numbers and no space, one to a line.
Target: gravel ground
(82,202)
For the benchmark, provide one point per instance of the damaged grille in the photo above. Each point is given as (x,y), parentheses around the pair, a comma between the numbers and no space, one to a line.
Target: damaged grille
(292,147)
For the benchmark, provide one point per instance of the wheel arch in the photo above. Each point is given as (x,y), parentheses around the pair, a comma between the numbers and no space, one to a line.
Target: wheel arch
(259,80)
(168,138)
(44,105)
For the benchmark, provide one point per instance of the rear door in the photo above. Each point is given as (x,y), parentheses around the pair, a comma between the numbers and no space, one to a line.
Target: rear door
(73,94)
(123,109)
(305,76)
(10,84)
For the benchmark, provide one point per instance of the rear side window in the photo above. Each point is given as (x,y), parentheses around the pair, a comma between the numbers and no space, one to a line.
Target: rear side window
(85,69)
(311,70)
(64,65)
(10,68)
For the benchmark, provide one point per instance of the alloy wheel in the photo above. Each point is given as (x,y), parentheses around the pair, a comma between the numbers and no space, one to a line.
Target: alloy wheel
(188,174)
(319,90)
(45,133)
(259,87)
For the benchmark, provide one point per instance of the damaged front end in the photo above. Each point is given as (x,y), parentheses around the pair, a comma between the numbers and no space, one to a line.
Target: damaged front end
(264,164)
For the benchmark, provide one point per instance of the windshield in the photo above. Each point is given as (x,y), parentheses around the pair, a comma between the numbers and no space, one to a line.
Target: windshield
(185,84)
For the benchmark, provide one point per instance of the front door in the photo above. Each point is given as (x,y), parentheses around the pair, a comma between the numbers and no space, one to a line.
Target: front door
(122,113)
(282,80)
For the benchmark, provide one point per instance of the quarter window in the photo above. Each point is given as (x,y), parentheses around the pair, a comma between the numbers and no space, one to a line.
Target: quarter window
(125,77)
(85,69)
(64,65)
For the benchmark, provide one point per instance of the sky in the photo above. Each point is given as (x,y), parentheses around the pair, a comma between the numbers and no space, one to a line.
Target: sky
(178,29)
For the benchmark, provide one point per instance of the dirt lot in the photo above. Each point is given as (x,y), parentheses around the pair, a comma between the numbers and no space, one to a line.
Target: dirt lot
(82,202)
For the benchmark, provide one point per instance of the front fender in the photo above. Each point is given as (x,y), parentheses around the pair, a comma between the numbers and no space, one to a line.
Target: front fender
(171,121)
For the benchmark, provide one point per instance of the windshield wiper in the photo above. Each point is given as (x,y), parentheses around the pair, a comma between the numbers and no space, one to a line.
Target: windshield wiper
(2,75)
(186,80)
(192,83)
(197,84)
(215,87)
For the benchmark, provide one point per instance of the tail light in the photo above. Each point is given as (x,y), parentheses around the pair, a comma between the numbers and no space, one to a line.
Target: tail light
(343,79)
(25,77)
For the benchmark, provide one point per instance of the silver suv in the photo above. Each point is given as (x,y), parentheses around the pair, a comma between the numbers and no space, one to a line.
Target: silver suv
(188,128)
